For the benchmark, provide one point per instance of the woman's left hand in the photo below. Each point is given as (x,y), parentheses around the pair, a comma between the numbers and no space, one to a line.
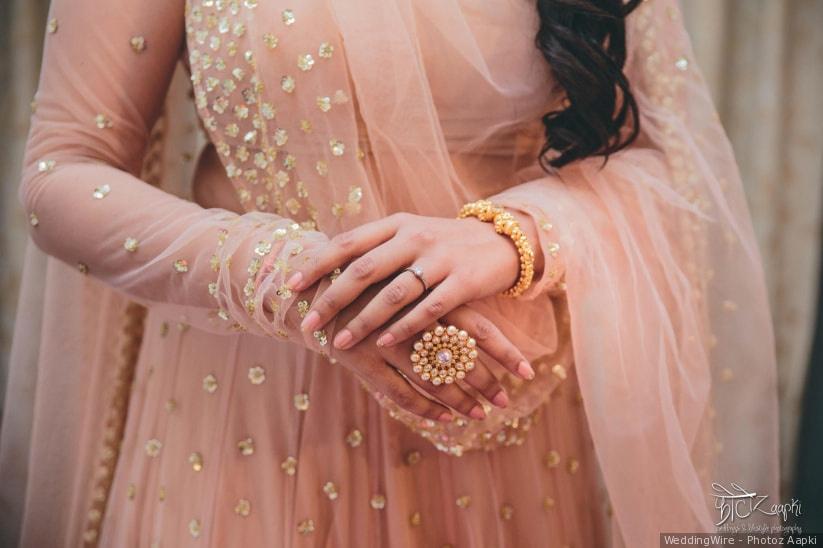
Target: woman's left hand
(461,260)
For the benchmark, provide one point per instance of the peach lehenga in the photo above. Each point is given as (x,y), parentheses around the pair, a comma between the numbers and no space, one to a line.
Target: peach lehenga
(155,402)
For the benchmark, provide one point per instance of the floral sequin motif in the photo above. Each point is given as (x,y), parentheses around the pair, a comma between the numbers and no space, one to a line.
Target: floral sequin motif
(138,44)
(257,375)
(378,502)
(52,25)
(181,266)
(301,402)
(102,121)
(246,447)
(288,17)
(289,466)
(354,438)
(44,166)
(196,461)
(153,447)
(131,244)
(305,527)
(330,489)
(210,383)
(242,508)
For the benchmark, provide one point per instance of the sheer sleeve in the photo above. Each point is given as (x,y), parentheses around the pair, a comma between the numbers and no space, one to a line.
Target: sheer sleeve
(106,69)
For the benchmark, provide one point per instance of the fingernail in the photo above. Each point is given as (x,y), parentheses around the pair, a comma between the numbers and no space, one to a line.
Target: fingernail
(294,281)
(525,370)
(501,399)
(386,339)
(310,321)
(445,417)
(343,339)
(477,413)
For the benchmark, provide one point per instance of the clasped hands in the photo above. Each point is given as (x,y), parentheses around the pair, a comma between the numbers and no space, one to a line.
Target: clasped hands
(381,309)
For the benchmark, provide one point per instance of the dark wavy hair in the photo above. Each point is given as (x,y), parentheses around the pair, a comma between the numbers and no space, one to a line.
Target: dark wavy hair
(584,42)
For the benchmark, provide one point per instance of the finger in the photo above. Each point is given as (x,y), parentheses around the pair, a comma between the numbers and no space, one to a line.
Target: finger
(398,389)
(376,265)
(404,289)
(442,300)
(342,248)
(492,341)
(449,394)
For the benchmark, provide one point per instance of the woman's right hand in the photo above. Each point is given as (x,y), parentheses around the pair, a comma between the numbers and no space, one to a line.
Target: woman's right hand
(379,367)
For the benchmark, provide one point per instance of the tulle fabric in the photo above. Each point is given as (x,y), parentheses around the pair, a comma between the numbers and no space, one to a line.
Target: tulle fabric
(650,258)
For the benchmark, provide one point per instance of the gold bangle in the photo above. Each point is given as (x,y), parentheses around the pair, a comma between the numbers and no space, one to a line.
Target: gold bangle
(506,224)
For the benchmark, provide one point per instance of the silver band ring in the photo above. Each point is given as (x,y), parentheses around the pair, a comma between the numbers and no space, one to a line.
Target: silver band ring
(418,273)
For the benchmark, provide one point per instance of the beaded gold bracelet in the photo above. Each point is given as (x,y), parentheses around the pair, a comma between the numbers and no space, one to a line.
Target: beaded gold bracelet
(506,224)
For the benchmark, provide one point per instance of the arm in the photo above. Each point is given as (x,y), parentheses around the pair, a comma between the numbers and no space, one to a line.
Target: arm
(106,69)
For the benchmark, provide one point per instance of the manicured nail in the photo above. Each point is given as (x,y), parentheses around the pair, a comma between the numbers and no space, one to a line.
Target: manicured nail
(310,321)
(477,413)
(386,339)
(525,370)
(501,399)
(343,339)
(445,417)
(294,281)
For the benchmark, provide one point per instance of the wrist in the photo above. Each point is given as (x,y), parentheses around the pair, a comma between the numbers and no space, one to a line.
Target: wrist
(506,224)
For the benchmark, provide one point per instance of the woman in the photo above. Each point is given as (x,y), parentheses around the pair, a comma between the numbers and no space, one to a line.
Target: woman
(275,392)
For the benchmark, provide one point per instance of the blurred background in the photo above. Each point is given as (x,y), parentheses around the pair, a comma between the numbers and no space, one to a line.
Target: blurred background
(764,62)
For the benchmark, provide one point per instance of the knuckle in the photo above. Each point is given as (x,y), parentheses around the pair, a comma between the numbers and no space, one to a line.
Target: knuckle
(436,307)
(360,325)
(363,267)
(327,302)
(344,240)
(511,357)
(395,294)
(406,329)
(483,329)
(489,386)
(423,236)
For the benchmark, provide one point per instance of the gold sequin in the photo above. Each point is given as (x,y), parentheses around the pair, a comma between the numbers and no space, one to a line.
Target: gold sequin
(337,147)
(131,491)
(305,62)
(131,244)
(83,268)
(52,25)
(195,528)
(102,121)
(301,402)
(682,64)
(548,503)
(378,502)
(289,466)
(506,511)
(552,459)
(210,383)
(101,192)
(305,527)
(415,519)
(463,501)
(161,493)
(559,371)
(303,308)
(287,84)
(324,103)
(331,490)
(196,461)
(138,44)
(320,337)
(246,447)
(354,438)
(572,466)
(288,17)
(257,375)
(325,50)
(153,447)
(412,458)
(243,508)
(45,165)
(181,265)
(270,40)
(33,220)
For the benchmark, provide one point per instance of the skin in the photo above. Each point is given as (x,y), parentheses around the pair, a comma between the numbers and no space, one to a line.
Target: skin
(378,365)
(463,260)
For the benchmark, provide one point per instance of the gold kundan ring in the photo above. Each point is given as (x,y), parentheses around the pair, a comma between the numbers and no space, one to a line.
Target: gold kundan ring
(444,355)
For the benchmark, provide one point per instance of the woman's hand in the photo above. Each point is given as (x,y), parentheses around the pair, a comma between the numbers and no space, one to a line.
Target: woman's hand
(379,366)
(462,260)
